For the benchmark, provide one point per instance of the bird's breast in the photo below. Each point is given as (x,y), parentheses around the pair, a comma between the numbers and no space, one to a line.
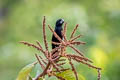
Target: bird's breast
(58,31)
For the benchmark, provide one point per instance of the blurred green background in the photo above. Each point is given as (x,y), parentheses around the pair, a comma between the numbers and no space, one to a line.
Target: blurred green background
(99,22)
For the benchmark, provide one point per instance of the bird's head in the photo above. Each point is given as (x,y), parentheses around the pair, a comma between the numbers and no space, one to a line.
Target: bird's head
(59,22)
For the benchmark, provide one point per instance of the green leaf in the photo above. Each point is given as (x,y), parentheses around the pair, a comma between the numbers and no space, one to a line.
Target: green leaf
(29,78)
(40,79)
(69,75)
(24,73)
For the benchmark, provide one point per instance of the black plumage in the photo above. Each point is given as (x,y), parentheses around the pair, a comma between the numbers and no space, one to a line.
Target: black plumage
(58,29)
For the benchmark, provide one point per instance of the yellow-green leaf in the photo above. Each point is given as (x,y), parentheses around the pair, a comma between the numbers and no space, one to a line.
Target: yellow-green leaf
(24,73)
(40,78)
(69,75)
(29,78)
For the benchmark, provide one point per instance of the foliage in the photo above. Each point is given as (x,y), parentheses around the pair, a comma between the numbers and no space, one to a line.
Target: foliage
(68,75)
(24,73)
(52,58)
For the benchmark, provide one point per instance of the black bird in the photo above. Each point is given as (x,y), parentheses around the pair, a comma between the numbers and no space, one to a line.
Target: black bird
(58,29)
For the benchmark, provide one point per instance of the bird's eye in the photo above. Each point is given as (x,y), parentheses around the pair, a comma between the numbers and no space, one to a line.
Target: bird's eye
(61,21)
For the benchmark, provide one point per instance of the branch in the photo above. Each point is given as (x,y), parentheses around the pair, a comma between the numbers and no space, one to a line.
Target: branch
(32,45)
(64,31)
(43,67)
(73,69)
(54,33)
(44,34)
(74,38)
(80,53)
(74,31)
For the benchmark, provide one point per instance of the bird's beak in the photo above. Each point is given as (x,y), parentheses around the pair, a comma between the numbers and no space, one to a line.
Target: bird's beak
(62,21)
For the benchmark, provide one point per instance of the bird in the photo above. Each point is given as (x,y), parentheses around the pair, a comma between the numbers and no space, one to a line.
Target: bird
(58,29)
